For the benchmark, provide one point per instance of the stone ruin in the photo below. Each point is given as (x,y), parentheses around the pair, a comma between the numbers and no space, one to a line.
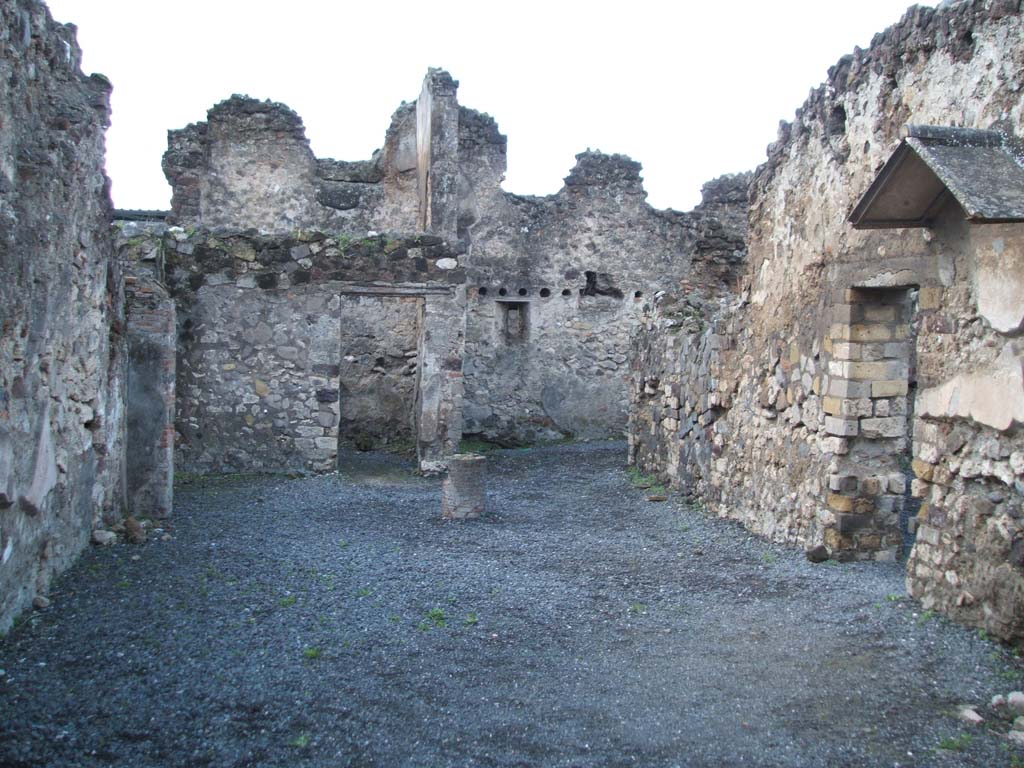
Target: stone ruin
(827,350)
(862,389)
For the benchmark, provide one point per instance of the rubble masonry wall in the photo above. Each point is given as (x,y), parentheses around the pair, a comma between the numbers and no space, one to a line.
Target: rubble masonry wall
(62,347)
(794,409)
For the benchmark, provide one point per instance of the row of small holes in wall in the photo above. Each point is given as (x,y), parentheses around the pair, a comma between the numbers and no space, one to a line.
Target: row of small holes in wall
(544,292)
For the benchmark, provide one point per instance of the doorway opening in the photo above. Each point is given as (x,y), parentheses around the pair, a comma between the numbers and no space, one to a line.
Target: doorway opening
(871,391)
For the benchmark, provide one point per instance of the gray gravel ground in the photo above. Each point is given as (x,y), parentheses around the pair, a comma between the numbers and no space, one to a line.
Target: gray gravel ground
(337,621)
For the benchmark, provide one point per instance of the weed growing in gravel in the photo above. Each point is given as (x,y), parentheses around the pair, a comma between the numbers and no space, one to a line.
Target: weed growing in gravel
(638,609)
(312,653)
(770,557)
(925,617)
(395,619)
(342,543)
(435,618)
(892,597)
(301,741)
(657,490)
(364,592)
(472,619)
(285,602)
(956,743)
(639,480)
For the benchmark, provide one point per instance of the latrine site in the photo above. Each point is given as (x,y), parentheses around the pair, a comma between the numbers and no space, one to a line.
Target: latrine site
(827,350)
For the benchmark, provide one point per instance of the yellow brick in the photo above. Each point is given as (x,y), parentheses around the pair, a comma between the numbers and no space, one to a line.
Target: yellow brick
(880,314)
(839,331)
(889,388)
(794,353)
(863,506)
(922,469)
(929,297)
(865,371)
(839,503)
(828,345)
(866,332)
(922,513)
(832,405)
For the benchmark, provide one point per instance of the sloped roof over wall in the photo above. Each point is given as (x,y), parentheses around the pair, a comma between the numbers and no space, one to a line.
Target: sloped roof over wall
(982,170)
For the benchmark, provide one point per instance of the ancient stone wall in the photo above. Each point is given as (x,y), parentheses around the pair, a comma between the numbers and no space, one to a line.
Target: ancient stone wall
(288,345)
(799,403)
(62,359)
(555,282)
(249,166)
(968,443)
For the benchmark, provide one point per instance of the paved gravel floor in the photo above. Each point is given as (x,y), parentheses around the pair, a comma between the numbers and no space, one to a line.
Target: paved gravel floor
(337,621)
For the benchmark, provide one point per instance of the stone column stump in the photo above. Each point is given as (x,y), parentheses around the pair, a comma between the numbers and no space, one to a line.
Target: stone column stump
(464,493)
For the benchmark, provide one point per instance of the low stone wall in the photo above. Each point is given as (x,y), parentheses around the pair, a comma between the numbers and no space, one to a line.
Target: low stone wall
(62,354)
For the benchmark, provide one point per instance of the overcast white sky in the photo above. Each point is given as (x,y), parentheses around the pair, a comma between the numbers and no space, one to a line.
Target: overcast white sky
(691,90)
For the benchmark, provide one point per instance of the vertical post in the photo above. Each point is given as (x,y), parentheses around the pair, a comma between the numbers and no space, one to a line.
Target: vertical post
(464,493)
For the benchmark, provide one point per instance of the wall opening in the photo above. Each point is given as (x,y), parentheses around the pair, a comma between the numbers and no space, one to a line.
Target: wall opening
(376,374)
(600,284)
(514,319)
(872,373)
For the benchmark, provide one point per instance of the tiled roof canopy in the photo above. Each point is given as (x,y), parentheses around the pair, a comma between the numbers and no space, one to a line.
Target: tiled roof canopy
(982,170)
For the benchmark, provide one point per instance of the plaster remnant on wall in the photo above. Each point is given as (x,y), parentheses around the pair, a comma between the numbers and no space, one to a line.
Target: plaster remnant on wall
(44,473)
(999,281)
(992,395)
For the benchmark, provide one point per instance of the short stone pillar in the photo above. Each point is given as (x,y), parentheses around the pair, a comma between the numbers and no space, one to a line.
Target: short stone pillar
(464,493)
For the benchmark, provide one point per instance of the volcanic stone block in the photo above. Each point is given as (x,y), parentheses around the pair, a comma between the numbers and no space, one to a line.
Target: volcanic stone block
(464,493)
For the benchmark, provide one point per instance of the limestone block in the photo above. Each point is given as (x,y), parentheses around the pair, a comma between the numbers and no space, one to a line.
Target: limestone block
(870,332)
(861,406)
(889,388)
(842,483)
(881,369)
(841,427)
(890,426)
(871,486)
(845,350)
(922,469)
(837,445)
(841,387)
(879,313)
(897,483)
(464,493)
(993,396)
(929,297)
